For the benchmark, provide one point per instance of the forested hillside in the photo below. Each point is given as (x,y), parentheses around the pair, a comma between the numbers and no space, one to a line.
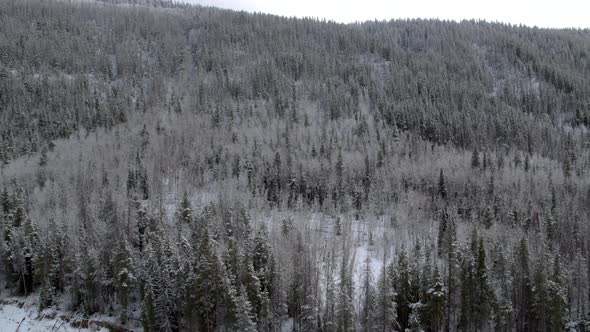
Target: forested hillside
(181,168)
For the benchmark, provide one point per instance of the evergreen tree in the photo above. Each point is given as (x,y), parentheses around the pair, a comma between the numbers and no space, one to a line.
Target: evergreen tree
(148,310)
(367,296)
(329,316)
(557,304)
(434,308)
(206,288)
(442,187)
(241,310)
(484,295)
(344,306)
(475,163)
(467,318)
(385,319)
(540,297)
(522,292)
(402,282)
(89,287)
(185,211)
(125,277)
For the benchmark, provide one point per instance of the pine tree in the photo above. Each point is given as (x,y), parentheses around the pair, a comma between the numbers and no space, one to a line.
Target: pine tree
(522,292)
(475,159)
(148,310)
(367,295)
(504,310)
(206,288)
(277,294)
(185,212)
(309,314)
(557,295)
(452,282)
(488,217)
(443,226)
(252,289)
(262,260)
(435,300)
(160,288)
(540,297)
(467,317)
(484,295)
(446,229)
(339,170)
(385,319)
(57,264)
(442,187)
(241,310)
(402,282)
(124,277)
(344,306)
(88,280)
(329,316)
(338,227)
(32,255)
(297,289)
(415,319)
(262,253)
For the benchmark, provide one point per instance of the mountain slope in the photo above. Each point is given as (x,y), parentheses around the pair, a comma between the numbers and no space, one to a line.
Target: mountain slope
(225,170)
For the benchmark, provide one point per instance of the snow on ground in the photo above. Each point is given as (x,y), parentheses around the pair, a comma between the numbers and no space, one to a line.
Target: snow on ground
(287,325)
(19,316)
(173,196)
(22,314)
(363,252)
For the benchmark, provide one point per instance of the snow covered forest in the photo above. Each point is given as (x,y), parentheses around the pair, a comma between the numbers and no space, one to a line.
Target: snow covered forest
(181,168)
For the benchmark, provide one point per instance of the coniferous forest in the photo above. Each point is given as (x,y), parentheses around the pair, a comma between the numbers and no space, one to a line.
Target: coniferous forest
(168,167)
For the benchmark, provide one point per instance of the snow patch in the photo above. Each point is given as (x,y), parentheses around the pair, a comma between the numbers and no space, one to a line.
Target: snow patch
(19,316)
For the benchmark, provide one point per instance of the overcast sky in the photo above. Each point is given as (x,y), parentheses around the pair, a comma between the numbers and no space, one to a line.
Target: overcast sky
(542,13)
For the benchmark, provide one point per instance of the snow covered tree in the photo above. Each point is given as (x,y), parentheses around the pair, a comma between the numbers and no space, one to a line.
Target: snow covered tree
(484,295)
(185,211)
(206,288)
(434,306)
(367,297)
(329,316)
(402,282)
(475,163)
(557,295)
(442,187)
(344,304)
(522,291)
(125,278)
(385,319)
(241,311)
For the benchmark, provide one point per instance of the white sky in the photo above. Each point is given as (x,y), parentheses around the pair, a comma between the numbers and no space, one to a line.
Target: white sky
(542,13)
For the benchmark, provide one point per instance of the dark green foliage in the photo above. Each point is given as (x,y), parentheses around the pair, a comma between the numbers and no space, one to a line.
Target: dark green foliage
(185,212)
(442,187)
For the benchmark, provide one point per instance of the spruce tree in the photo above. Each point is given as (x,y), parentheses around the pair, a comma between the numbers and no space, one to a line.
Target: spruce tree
(185,211)
(344,306)
(435,300)
(475,159)
(540,297)
(442,187)
(522,290)
(557,295)
(385,318)
(241,311)
(402,282)
(484,295)
(329,316)
(367,296)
